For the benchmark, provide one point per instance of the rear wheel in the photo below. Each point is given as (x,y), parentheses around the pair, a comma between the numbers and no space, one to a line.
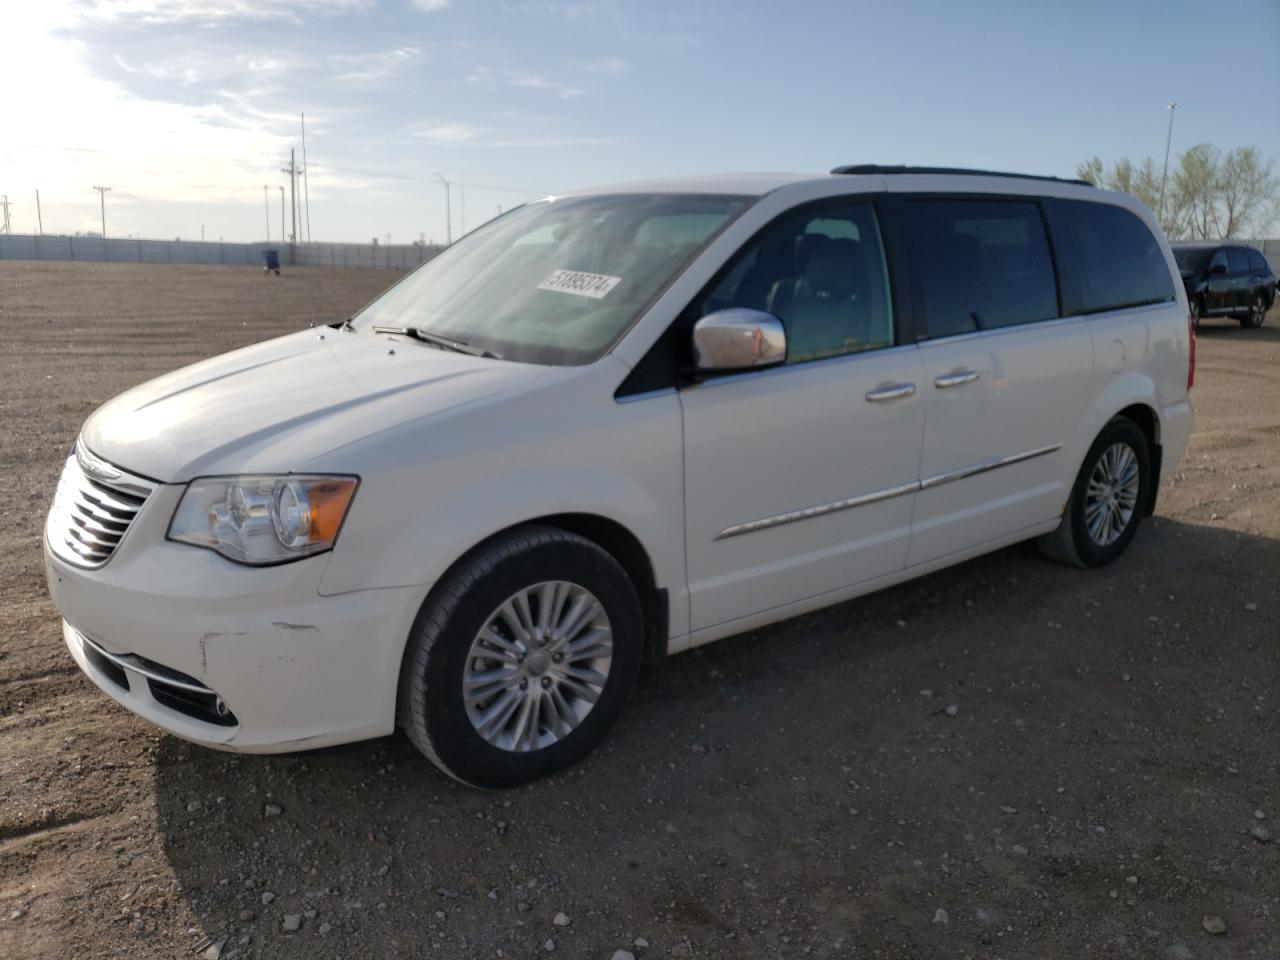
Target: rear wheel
(1105,506)
(1257,314)
(522,658)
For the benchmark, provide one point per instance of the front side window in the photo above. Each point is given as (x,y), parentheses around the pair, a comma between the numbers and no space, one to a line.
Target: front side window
(982,264)
(557,281)
(821,270)
(1120,263)
(1238,259)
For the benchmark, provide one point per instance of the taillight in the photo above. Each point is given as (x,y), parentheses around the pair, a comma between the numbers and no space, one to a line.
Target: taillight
(1191,353)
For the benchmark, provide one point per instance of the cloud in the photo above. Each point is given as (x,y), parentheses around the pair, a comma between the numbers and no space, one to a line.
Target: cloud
(446,132)
(612,67)
(453,134)
(213,11)
(533,81)
(429,6)
(376,65)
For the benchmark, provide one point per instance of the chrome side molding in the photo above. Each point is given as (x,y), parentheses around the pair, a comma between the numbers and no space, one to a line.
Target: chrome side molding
(822,510)
(986,466)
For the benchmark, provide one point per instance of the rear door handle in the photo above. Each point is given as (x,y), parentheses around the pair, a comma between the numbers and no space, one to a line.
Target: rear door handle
(955,379)
(893,391)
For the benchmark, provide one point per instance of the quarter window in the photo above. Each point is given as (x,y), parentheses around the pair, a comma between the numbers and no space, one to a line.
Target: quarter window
(982,264)
(1120,264)
(1238,259)
(1257,262)
(821,271)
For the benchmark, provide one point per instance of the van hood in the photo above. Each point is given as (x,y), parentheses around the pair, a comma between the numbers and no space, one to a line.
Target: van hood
(276,406)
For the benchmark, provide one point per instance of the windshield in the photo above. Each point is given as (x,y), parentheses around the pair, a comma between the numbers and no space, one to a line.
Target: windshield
(557,281)
(1192,259)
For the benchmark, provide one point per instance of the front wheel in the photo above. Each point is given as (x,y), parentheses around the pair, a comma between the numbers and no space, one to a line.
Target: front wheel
(522,658)
(1257,314)
(1105,506)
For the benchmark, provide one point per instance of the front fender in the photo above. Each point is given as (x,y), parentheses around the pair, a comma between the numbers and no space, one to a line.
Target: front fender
(431,493)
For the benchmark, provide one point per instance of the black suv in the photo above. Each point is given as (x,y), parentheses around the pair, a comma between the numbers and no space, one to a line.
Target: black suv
(1226,280)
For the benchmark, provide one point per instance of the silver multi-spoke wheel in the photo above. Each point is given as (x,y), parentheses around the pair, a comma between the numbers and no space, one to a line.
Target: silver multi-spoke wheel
(1112,495)
(537,666)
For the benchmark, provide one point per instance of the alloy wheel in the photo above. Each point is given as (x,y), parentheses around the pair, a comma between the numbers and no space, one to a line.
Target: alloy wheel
(537,666)
(1112,494)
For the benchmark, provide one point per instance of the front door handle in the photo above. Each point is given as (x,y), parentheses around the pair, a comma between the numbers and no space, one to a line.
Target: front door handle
(891,392)
(955,379)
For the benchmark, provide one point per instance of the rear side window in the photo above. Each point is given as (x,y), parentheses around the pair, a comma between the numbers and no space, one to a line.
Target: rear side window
(1119,262)
(1257,262)
(982,264)
(1238,260)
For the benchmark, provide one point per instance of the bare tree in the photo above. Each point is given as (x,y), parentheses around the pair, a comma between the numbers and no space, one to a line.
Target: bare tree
(1209,196)
(1247,193)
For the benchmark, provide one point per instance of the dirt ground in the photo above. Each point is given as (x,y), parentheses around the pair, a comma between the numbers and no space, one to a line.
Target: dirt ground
(804,790)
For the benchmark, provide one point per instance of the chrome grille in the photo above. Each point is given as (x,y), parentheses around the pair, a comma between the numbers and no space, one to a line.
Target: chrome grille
(91,514)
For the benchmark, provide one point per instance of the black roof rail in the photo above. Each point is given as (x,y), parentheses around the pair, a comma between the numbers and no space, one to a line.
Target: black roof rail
(880,168)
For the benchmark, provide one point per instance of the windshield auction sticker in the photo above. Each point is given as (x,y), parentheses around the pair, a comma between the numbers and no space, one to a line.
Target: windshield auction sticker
(594,285)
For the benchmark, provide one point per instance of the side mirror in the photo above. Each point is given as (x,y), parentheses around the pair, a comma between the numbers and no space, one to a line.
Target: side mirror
(1217,269)
(738,339)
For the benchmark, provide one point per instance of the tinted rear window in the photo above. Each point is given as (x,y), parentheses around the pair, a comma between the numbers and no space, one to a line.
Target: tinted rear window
(1257,261)
(983,264)
(1193,259)
(1238,260)
(1119,261)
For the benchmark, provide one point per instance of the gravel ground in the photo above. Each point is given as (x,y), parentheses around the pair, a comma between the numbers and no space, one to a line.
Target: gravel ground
(1006,759)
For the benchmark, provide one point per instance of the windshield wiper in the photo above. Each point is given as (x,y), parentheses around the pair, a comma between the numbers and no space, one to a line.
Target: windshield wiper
(444,343)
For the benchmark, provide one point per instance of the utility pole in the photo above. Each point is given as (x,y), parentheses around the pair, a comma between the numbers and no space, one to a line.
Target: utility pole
(292,171)
(39,215)
(462,196)
(448,211)
(282,215)
(266,212)
(306,188)
(4,203)
(102,200)
(1168,141)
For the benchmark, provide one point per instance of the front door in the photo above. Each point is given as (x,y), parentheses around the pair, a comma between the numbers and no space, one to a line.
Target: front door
(800,480)
(1219,296)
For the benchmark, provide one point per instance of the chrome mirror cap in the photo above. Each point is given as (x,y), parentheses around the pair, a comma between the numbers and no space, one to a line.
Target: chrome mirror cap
(738,339)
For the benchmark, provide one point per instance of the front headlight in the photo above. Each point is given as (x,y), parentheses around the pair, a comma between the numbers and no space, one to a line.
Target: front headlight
(263,519)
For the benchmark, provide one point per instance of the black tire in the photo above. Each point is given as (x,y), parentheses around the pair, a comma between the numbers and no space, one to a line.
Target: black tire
(1257,314)
(431,706)
(1072,543)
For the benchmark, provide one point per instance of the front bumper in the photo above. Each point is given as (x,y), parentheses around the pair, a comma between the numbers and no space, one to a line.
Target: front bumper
(282,667)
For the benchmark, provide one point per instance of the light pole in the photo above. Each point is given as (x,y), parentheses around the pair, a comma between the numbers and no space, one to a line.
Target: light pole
(266,212)
(1168,141)
(448,211)
(282,215)
(102,200)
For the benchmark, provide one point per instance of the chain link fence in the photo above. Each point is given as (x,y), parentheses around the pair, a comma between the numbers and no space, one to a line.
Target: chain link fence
(126,250)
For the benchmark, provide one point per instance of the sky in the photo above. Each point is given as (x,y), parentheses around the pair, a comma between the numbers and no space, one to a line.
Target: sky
(187,108)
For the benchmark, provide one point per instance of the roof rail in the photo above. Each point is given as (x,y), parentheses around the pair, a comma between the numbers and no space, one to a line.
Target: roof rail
(879,168)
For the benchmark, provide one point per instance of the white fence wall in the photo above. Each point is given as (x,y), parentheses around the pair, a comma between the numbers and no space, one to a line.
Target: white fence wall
(123,250)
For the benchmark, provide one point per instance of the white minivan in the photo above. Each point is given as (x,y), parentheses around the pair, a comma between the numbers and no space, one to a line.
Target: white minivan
(610,426)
